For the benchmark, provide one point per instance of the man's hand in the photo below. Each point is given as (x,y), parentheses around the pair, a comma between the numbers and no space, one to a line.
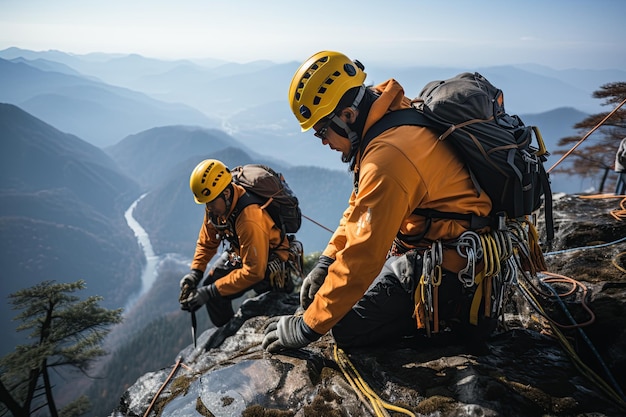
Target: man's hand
(199,297)
(312,283)
(287,332)
(192,279)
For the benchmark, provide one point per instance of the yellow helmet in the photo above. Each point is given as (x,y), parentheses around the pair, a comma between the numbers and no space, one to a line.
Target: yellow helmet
(319,84)
(208,179)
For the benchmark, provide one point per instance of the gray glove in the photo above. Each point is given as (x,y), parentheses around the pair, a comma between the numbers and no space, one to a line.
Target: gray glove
(287,332)
(192,279)
(199,297)
(312,283)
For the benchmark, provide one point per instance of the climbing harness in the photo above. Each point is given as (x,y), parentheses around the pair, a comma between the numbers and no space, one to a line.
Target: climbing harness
(376,406)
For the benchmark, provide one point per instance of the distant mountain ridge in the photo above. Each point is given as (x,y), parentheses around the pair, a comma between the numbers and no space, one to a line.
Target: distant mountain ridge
(149,156)
(100,113)
(248,101)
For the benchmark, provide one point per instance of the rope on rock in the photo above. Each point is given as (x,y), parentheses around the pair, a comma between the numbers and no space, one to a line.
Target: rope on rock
(615,264)
(614,392)
(618,214)
(178,364)
(584,336)
(376,405)
(602,245)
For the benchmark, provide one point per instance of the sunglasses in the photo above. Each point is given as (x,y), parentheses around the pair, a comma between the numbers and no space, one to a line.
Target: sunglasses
(323,131)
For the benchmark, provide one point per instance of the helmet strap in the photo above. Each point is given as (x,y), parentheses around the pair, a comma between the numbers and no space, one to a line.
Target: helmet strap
(351,134)
(228,201)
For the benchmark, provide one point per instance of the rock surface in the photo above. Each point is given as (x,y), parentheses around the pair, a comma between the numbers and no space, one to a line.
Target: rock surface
(528,368)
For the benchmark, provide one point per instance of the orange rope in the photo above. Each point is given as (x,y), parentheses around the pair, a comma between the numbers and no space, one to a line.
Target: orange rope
(618,214)
(587,135)
(317,223)
(176,366)
(614,262)
(575,284)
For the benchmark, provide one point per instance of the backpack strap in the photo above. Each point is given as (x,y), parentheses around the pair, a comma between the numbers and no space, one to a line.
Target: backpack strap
(244,201)
(411,116)
(547,203)
(414,117)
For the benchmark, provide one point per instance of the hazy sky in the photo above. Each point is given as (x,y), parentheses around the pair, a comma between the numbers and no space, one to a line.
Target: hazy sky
(557,33)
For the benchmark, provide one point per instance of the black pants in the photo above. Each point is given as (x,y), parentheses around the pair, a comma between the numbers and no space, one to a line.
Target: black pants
(384,314)
(620,187)
(221,310)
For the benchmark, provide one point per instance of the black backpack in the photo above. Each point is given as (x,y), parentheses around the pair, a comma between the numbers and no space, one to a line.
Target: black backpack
(268,188)
(468,111)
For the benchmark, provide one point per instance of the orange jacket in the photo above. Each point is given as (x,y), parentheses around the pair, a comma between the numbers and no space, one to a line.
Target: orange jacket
(403,168)
(257,235)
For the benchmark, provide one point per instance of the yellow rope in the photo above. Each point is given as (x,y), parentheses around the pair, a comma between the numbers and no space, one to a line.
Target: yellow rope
(614,261)
(378,405)
(582,367)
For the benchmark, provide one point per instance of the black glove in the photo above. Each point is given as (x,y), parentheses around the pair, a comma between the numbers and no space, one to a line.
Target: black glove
(200,297)
(312,283)
(192,279)
(287,332)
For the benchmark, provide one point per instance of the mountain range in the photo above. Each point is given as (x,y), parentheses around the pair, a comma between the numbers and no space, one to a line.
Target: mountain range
(126,94)
(83,137)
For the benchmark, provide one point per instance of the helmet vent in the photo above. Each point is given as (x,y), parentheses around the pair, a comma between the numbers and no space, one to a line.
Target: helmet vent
(305,112)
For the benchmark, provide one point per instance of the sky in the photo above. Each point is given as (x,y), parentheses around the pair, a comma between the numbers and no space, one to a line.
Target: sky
(560,34)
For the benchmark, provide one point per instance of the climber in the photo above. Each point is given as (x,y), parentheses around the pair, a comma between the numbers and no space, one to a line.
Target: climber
(620,168)
(349,292)
(255,257)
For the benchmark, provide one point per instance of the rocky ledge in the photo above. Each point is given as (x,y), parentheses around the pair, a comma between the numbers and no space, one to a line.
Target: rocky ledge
(552,356)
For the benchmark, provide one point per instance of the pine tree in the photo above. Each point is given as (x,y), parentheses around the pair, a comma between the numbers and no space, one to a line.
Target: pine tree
(65,332)
(595,157)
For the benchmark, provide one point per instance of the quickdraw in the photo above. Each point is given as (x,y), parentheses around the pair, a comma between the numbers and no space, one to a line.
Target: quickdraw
(468,246)
(503,254)
(427,293)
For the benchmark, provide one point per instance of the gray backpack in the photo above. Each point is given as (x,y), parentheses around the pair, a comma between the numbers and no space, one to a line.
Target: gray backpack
(498,149)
